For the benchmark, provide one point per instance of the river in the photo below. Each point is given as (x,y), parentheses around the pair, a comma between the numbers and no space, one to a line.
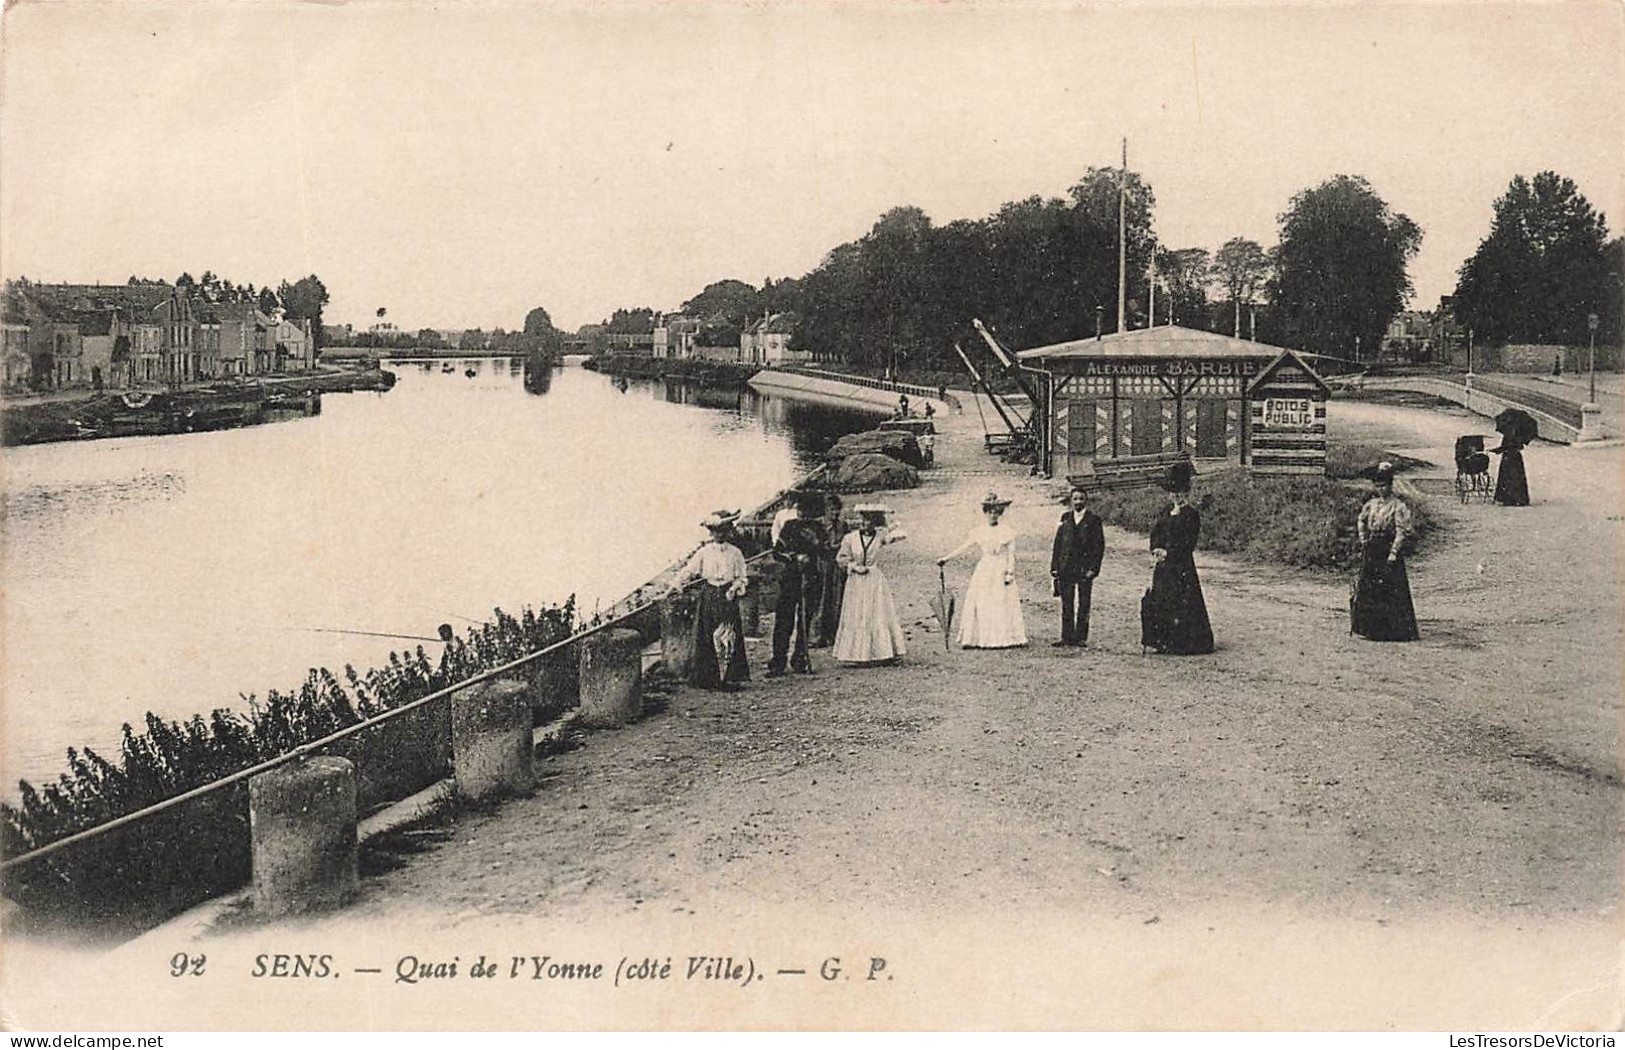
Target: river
(176,573)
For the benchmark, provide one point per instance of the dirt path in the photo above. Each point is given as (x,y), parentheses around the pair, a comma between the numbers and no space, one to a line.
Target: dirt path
(1466,782)
(1477,770)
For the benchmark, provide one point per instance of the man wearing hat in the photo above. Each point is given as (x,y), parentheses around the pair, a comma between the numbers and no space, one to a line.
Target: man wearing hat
(719,634)
(797,544)
(1080,545)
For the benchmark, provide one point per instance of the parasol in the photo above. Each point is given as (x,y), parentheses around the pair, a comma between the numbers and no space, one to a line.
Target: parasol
(943,606)
(1517,426)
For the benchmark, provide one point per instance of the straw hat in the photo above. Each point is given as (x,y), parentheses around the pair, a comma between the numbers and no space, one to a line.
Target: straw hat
(993,499)
(872,508)
(721,519)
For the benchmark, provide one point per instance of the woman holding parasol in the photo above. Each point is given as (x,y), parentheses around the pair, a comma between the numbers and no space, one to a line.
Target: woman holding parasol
(870,632)
(1380,607)
(1517,428)
(991,617)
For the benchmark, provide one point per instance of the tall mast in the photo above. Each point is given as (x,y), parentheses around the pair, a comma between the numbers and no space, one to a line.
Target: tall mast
(1122,242)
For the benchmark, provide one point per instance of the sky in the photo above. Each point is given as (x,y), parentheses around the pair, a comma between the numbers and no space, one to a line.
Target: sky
(458,164)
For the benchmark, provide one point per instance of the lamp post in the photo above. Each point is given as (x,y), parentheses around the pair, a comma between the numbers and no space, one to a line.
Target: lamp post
(1591,327)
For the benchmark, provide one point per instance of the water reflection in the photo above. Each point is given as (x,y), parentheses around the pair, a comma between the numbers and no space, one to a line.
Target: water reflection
(177,572)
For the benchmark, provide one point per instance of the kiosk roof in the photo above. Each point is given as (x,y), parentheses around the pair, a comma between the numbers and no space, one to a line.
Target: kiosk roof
(1161,342)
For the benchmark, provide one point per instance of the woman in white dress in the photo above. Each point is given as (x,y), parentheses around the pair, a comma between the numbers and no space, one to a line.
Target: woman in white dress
(991,615)
(869,631)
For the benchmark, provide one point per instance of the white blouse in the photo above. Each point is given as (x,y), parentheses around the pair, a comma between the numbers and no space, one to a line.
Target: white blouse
(719,564)
(1384,513)
(852,551)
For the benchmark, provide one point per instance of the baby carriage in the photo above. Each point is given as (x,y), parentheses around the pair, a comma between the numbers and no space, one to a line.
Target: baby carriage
(1473,478)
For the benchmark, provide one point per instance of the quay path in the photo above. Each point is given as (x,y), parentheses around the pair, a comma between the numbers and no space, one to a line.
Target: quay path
(1300,830)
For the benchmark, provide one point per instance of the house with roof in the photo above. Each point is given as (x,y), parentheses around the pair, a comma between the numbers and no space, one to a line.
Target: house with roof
(767,341)
(674,335)
(1164,390)
(18,364)
(247,339)
(98,329)
(294,346)
(174,316)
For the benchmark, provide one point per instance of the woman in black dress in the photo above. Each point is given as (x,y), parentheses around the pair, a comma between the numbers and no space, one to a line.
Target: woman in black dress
(1173,616)
(1511,484)
(718,660)
(1380,607)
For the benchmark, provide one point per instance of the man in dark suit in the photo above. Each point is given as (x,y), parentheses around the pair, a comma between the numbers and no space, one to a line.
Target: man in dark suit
(797,546)
(1080,544)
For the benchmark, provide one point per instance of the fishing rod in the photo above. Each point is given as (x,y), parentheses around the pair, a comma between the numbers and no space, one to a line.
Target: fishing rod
(369,634)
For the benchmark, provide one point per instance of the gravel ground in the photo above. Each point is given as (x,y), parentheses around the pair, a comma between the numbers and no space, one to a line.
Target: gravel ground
(1301,829)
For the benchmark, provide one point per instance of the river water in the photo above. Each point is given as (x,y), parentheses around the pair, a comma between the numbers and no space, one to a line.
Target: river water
(176,573)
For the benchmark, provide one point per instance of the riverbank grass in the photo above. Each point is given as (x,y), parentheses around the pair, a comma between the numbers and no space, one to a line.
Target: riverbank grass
(1304,522)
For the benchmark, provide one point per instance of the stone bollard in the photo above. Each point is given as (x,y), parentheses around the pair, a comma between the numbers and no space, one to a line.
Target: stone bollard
(677,613)
(301,819)
(750,608)
(491,748)
(611,678)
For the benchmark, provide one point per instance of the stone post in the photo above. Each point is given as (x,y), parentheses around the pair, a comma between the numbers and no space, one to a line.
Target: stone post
(677,613)
(1590,423)
(301,819)
(611,678)
(491,749)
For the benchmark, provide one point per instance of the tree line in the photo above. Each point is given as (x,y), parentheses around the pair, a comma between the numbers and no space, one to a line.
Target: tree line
(1044,270)
(300,300)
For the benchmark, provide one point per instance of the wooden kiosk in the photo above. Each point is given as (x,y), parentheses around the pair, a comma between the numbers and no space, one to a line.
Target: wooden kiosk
(1149,396)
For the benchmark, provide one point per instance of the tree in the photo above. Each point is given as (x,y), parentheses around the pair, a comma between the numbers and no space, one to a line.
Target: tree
(1542,268)
(268,302)
(304,300)
(185,283)
(1095,198)
(1340,268)
(636,321)
(1187,273)
(725,303)
(537,322)
(1241,266)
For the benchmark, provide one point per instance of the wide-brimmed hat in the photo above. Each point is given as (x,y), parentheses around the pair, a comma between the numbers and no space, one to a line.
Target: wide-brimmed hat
(1383,472)
(1178,476)
(720,519)
(871,508)
(993,499)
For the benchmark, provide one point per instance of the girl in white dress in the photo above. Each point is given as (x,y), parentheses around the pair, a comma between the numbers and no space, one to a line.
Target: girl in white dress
(869,631)
(991,616)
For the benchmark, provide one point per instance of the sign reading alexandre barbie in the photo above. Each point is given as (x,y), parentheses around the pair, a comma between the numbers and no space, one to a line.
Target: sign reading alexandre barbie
(1172,366)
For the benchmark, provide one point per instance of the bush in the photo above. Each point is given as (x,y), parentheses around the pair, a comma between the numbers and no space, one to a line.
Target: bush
(187,854)
(1304,522)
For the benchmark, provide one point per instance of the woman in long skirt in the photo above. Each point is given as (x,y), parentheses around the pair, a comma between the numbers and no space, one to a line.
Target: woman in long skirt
(1173,614)
(1511,483)
(991,616)
(1380,607)
(718,660)
(869,631)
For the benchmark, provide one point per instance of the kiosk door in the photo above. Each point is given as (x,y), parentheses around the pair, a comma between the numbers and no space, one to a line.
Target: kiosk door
(1147,432)
(1210,428)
